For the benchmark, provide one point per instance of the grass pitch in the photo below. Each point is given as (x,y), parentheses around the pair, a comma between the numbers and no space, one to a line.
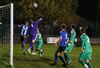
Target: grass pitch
(30,61)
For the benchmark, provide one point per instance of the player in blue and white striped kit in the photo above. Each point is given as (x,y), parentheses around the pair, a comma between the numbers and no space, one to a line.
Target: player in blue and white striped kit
(32,33)
(24,30)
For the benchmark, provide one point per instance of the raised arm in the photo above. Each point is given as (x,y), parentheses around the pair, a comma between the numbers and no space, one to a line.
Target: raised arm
(38,21)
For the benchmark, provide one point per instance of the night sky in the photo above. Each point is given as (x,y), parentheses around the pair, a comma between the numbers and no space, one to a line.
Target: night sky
(88,9)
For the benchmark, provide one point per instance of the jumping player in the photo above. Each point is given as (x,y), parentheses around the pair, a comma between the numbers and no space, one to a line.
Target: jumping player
(86,54)
(24,30)
(62,45)
(32,32)
(39,43)
(70,44)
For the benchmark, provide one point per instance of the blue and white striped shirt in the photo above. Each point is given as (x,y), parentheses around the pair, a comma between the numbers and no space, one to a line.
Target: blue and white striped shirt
(24,30)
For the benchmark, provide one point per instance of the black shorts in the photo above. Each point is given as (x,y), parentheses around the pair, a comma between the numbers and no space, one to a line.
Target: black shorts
(61,48)
(22,38)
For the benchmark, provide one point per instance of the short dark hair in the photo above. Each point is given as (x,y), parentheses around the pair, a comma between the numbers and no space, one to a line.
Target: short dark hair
(26,22)
(83,30)
(63,26)
(73,26)
(31,21)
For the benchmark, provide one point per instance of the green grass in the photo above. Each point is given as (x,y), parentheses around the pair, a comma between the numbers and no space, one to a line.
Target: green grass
(29,61)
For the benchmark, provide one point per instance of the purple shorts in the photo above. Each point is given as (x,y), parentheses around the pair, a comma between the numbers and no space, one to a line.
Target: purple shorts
(33,37)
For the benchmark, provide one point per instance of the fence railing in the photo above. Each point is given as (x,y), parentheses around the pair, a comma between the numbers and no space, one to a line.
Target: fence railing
(50,32)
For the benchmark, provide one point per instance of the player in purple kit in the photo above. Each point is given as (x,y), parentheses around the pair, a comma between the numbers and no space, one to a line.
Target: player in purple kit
(32,32)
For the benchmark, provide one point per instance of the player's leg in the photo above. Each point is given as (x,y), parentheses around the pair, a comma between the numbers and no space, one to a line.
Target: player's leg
(23,48)
(62,48)
(38,48)
(58,54)
(82,58)
(61,58)
(22,44)
(32,41)
(89,64)
(29,50)
(56,57)
(71,46)
(24,41)
(88,60)
(67,57)
(66,54)
(32,47)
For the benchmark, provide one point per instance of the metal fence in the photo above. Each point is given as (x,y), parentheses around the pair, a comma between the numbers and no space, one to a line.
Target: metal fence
(54,31)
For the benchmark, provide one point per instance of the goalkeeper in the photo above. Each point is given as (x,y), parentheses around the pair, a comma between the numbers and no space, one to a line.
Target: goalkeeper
(39,43)
(32,33)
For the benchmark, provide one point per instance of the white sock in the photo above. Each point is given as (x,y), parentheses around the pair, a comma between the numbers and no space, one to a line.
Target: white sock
(29,49)
(86,66)
(40,55)
(41,50)
(23,50)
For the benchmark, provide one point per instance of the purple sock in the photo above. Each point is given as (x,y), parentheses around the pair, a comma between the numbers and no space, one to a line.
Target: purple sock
(31,46)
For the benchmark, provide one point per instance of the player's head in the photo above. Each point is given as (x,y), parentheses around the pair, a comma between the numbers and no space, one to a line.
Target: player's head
(38,31)
(82,30)
(26,23)
(73,26)
(31,21)
(63,26)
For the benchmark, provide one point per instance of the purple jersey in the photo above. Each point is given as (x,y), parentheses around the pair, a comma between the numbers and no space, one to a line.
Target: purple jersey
(33,28)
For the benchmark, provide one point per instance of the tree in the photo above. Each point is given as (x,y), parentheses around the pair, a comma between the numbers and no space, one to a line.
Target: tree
(51,9)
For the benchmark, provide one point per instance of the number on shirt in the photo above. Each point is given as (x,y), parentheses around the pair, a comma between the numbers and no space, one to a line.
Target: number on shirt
(65,36)
(88,39)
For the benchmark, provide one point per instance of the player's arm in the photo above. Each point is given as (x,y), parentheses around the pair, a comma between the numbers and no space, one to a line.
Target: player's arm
(82,44)
(36,38)
(20,26)
(39,38)
(59,40)
(68,41)
(38,21)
